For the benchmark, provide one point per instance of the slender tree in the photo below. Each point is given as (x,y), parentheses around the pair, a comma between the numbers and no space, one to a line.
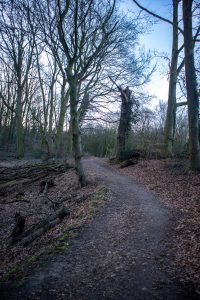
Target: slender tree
(191,87)
(169,128)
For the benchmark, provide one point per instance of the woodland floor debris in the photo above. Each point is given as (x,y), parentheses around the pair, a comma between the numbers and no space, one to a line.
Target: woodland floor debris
(132,248)
(125,253)
(22,174)
(179,189)
(39,201)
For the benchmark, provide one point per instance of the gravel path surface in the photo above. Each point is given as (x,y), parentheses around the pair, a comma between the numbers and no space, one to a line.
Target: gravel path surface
(123,254)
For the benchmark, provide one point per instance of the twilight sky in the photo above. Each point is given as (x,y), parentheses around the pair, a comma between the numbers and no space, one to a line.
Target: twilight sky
(159,39)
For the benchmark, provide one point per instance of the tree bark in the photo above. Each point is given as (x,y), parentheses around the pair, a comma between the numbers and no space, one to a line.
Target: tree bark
(63,109)
(169,129)
(124,122)
(39,229)
(76,135)
(19,125)
(191,87)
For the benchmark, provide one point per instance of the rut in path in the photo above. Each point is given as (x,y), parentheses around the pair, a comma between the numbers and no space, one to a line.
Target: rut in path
(122,254)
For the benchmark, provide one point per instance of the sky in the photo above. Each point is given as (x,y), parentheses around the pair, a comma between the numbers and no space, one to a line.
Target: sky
(159,38)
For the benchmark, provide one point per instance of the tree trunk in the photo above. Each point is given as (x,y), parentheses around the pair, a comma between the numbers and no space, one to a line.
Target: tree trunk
(11,127)
(76,135)
(5,128)
(124,123)
(63,108)
(191,87)
(69,138)
(50,135)
(51,100)
(19,125)
(169,129)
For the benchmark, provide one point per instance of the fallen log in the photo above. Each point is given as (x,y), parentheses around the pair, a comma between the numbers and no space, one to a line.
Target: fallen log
(30,238)
(13,182)
(49,223)
(15,201)
(21,181)
(29,174)
(39,229)
(20,172)
(127,163)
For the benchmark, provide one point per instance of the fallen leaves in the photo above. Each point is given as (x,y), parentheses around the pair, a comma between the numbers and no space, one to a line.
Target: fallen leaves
(28,199)
(179,189)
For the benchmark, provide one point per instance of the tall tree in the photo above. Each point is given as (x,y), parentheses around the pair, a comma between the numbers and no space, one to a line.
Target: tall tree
(191,87)
(169,128)
(84,30)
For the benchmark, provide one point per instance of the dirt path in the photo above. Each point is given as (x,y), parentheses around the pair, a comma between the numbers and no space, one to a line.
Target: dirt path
(123,254)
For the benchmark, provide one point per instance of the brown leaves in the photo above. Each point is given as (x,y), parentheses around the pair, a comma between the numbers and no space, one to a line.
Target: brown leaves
(61,189)
(179,189)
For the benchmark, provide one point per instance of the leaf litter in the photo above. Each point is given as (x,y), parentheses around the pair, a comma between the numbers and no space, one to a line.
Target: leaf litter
(179,189)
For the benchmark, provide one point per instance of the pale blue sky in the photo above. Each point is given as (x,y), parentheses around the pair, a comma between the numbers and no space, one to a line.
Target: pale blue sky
(159,38)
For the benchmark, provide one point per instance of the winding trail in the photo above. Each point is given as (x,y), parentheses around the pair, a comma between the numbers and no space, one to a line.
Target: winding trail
(123,254)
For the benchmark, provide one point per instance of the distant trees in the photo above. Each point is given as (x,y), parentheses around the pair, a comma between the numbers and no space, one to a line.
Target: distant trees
(170,121)
(191,84)
(65,65)
(16,45)
(85,38)
(59,55)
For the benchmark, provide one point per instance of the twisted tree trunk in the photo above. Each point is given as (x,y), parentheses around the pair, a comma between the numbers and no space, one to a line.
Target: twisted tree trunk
(124,122)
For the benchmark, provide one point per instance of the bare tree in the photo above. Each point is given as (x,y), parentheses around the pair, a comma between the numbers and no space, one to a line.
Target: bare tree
(170,123)
(191,86)
(17,53)
(85,33)
(169,128)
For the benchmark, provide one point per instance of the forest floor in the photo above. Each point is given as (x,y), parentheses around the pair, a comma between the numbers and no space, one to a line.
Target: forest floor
(178,188)
(140,245)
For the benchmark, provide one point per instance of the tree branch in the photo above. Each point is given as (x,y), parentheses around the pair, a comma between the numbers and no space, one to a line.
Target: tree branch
(157,16)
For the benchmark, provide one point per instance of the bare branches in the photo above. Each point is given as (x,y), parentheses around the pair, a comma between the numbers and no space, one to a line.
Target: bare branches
(62,15)
(157,16)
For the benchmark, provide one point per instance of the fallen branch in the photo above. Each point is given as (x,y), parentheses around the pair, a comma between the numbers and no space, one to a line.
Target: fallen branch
(46,226)
(39,229)
(127,163)
(16,200)
(13,182)
(29,174)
